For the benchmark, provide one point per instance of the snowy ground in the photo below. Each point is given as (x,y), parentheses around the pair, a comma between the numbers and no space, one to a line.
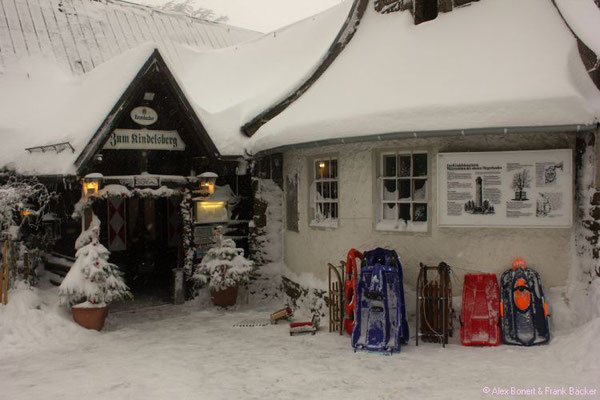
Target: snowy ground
(191,352)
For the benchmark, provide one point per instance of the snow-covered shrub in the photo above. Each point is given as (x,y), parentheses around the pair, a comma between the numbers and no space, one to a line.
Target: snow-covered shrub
(18,193)
(92,278)
(223,266)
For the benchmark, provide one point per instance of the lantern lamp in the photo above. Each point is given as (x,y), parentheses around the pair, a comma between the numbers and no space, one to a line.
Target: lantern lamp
(207,183)
(91,184)
(27,210)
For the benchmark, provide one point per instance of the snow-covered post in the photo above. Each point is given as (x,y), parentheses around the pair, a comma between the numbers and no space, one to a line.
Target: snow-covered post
(584,275)
(187,235)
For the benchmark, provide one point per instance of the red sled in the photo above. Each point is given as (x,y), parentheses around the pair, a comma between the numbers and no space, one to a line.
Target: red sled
(305,327)
(350,289)
(480,311)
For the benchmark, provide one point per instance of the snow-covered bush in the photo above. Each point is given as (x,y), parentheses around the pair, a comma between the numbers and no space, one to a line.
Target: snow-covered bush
(223,266)
(17,194)
(92,278)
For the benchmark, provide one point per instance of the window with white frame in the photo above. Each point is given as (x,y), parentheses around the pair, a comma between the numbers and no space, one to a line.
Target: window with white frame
(325,192)
(403,204)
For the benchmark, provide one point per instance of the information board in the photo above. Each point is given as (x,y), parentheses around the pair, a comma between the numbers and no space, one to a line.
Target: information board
(505,189)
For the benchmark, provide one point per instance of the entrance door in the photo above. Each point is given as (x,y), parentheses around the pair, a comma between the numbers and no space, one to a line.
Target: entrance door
(147,259)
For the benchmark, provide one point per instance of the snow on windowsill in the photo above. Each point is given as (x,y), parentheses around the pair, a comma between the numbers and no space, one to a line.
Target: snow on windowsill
(402,226)
(326,223)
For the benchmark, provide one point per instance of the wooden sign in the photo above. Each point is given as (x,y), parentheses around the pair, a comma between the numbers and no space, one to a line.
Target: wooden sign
(144,139)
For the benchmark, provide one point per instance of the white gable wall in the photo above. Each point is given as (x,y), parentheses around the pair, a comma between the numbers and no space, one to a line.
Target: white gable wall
(479,249)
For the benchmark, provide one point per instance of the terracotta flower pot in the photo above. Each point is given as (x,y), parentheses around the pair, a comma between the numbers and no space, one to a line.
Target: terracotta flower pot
(90,317)
(224,298)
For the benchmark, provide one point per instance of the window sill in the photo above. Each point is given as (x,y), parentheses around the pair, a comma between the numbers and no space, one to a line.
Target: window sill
(401,226)
(326,223)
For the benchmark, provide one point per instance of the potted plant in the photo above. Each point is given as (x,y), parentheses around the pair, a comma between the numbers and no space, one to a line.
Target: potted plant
(224,268)
(92,281)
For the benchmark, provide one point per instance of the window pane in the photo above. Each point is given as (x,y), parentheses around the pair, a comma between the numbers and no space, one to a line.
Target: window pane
(404,187)
(389,165)
(322,167)
(389,189)
(389,211)
(334,210)
(334,172)
(326,190)
(317,169)
(404,162)
(319,191)
(334,190)
(404,212)
(327,210)
(319,212)
(420,189)
(419,164)
(419,212)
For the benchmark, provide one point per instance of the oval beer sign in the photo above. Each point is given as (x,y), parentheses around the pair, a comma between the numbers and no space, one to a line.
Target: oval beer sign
(144,115)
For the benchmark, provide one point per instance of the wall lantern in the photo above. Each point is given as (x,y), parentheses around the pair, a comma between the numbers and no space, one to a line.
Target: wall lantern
(207,184)
(27,210)
(91,184)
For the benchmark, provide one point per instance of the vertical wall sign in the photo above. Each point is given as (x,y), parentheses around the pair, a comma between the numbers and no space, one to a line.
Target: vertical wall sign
(506,189)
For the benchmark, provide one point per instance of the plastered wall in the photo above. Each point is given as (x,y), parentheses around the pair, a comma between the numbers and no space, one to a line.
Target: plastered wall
(479,249)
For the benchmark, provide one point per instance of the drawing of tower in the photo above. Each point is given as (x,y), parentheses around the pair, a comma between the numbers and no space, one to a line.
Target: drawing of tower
(478,193)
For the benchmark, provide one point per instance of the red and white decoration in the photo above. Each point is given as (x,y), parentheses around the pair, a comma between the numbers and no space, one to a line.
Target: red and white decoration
(117,237)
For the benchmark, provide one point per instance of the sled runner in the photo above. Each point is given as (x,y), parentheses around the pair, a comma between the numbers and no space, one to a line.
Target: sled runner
(434,304)
(480,311)
(350,289)
(523,308)
(305,327)
(380,323)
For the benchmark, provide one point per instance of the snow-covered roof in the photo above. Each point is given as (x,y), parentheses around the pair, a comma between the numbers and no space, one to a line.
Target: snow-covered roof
(496,63)
(42,103)
(583,16)
(48,105)
(81,34)
(228,87)
(477,67)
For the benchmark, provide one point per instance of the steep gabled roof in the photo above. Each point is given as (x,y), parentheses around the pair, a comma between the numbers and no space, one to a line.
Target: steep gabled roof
(42,104)
(49,105)
(81,34)
(494,65)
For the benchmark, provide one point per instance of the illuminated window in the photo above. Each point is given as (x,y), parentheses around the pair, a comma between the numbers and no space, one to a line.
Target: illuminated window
(403,196)
(210,211)
(325,192)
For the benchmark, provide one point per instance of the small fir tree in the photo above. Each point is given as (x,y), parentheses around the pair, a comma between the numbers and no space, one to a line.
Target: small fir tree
(92,278)
(224,265)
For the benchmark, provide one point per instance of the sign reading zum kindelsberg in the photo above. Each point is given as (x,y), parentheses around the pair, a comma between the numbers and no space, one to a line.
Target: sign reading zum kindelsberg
(144,139)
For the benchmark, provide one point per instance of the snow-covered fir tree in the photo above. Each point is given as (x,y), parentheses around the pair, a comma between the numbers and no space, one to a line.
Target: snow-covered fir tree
(92,278)
(224,265)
